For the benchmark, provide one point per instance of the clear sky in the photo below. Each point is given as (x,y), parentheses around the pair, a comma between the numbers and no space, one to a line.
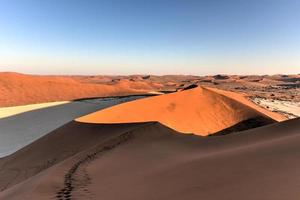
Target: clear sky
(150,36)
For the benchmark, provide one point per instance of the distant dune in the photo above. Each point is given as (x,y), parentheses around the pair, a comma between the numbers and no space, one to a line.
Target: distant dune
(20,89)
(199,110)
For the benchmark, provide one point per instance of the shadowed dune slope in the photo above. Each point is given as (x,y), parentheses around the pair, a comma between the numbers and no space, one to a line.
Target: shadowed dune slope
(55,147)
(151,161)
(200,110)
(20,130)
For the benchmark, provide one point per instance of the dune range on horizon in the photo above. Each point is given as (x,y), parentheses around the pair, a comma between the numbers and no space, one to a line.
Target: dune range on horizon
(22,89)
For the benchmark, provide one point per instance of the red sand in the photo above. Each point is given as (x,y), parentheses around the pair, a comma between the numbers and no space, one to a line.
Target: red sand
(201,111)
(20,89)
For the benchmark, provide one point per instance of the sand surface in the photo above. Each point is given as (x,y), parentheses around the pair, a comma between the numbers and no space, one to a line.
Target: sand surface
(20,89)
(20,130)
(14,110)
(288,108)
(150,161)
(136,150)
(200,110)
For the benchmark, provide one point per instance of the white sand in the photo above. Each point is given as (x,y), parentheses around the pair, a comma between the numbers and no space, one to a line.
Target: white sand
(155,92)
(19,130)
(287,108)
(14,110)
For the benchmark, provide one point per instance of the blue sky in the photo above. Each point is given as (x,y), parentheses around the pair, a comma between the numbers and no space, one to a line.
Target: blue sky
(150,36)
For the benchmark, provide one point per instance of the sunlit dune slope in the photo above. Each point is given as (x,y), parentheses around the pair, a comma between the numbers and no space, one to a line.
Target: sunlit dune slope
(242,99)
(201,111)
(20,89)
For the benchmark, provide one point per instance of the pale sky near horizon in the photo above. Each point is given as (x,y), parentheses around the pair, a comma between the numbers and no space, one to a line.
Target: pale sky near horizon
(197,37)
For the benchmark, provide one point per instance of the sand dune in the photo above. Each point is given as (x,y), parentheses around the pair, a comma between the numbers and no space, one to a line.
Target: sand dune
(20,89)
(53,148)
(199,110)
(20,130)
(242,98)
(152,161)
(136,150)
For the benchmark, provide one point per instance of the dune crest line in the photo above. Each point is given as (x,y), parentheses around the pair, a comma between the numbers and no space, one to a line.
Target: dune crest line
(183,110)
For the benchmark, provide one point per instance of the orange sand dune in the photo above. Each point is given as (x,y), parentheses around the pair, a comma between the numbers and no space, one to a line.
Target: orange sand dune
(242,99)
(201,111)
(20,89)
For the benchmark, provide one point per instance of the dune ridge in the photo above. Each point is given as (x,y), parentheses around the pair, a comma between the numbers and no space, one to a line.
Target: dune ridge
(199,110)
(55,147)
(20,89)
(158,160)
